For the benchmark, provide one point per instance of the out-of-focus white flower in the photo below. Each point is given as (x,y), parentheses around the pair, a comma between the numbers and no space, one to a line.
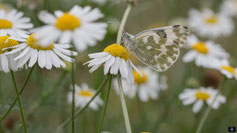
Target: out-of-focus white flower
(209,24)
(229,8)
(33,51)
(226,69)
(13,23)
(7,62)
(201,96)
(146,86)
(116,60)
(83,95)
(77,26)
(204,54)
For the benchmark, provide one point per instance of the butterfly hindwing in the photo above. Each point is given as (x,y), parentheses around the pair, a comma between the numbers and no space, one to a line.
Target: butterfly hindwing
(159,48)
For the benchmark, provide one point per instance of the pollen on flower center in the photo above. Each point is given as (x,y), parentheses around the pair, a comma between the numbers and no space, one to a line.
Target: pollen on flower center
(85,94)
(138,79)
(67,22)
(5,24)
(3,44)
(229,69)
(200,47)
(211,20)
(34,43)
(117,51)
(202,95)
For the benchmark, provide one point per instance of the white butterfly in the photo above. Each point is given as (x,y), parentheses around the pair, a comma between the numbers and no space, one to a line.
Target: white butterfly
(159,47)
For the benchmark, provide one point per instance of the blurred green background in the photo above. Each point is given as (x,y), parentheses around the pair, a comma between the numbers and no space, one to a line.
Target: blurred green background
(44,98)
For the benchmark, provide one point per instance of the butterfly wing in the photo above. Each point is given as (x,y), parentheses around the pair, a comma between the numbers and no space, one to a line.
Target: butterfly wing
(159,48)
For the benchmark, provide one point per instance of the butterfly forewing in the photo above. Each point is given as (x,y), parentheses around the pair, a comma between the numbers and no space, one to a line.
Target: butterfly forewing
(159,48)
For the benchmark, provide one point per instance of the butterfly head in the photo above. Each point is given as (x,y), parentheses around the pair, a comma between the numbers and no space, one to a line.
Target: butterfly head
(128,40)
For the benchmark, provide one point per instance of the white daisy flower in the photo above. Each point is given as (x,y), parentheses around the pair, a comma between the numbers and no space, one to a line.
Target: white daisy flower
(229,8)
(209,24)
(83,95)
(7,62)
(116,60)
(13,23)
(227,70)
(201,96)
(147,87)
(33,51)
(77,25)
(204,54)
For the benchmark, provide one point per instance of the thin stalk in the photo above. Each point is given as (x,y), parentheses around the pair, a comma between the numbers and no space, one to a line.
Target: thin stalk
(73,99)
(207,112)
(22,89)
(19,101)
(124,107)
(123,22)
(106,104)
(85,107)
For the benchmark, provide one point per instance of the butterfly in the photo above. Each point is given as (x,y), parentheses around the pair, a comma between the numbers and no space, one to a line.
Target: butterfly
(158,48)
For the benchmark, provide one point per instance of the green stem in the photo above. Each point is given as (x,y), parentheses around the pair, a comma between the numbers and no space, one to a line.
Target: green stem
(123,22)
(124,107)
(22,89)
(73,99)
(85,107)
(106,104)
(19,101)
(207,112)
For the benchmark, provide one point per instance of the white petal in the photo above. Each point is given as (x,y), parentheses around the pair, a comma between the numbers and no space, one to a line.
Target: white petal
(46,17)
(197,106)
(41,58)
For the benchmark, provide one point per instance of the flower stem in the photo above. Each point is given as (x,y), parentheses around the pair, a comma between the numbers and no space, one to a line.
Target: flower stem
(123,22)
(207,112)
(22,89)
(85,107)
(73,99)
(19,101)
(124,107)
(106,104)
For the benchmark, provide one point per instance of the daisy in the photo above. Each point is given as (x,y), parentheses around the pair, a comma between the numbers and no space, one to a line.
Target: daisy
(209,24)
(13,23)
(204,54)
(83,95)
(116,60)
(227,70)
(201,96)
(229,8)
(33,51)
(7,62)
(77,25)
(147,87)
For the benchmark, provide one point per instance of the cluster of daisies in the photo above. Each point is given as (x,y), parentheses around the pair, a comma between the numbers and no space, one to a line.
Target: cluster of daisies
(209,25)
(22,46)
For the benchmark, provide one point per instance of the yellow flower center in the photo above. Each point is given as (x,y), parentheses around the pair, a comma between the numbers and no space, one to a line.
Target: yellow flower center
(85,94)
(211,20)
(4,44)
(34,43)
(117,51)
(138,79)
(202,95)
(5,24)
(229,69)
(201,47)
(67,22)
